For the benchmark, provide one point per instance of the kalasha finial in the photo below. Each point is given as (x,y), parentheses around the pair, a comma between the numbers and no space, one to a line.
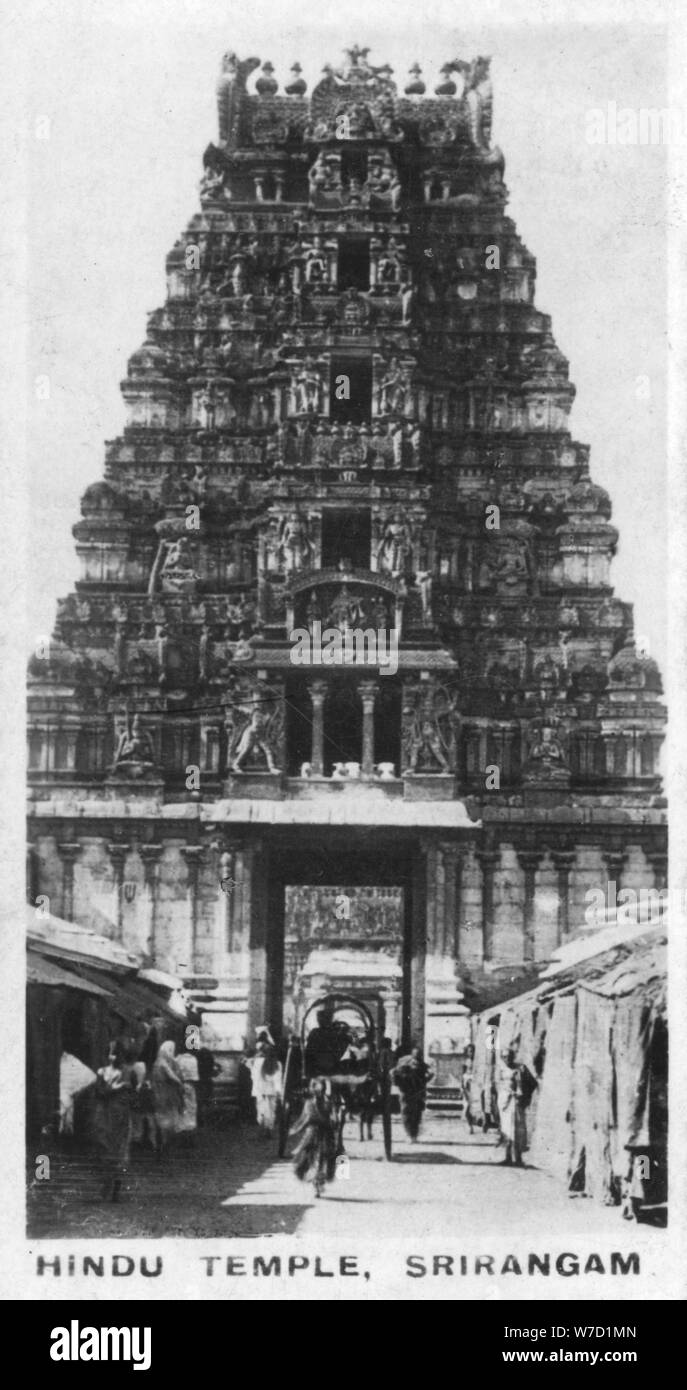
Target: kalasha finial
(298,87)
(417,86)
(267,86)
(447,88)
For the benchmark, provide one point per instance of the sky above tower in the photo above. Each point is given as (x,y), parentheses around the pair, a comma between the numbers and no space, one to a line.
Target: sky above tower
(129,94)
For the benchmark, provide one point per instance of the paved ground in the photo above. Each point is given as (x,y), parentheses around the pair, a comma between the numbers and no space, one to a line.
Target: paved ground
(450,1184)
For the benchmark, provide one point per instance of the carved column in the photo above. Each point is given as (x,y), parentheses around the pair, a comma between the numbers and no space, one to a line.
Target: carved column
(368,694)
(118,851)
(193,854)
(563,861)
(150,856)
(68,853)
(529,861)
(317,691)
(452,856)
(614,859)
(488,859)
(229,889)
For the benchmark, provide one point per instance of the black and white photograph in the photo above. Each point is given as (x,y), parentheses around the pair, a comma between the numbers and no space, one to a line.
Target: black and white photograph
(352,653)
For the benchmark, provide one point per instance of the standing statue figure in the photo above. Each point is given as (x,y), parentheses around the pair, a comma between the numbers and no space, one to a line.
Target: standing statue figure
(394,547)
(429,737)
(261,732)
(309,389)
(393,389)
(207,408)
(315,260)
(294,542)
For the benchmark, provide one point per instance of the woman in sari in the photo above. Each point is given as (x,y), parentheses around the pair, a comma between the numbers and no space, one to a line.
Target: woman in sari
(112,1120)
(314,1158)
(168,1095)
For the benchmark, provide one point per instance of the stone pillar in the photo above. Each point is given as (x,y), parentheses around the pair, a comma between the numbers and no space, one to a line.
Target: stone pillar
(452,856)
(368,694)
(258,180)
(193,854)
(279,187)
(563,861)
(68,853)
(414,1005)
(255,882)
(614,860)
(118,851)
(488,860)
(317,691)
(229,889)
(150,855)
(529,861)
(445,1013)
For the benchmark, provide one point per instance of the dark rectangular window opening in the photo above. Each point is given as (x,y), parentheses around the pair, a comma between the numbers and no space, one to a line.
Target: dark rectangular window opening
(346,536)
(353,263)
(353,164)
(343,725)
(350,390)
(388,723)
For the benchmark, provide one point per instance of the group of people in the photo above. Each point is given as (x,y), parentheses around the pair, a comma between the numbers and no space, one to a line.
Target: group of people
(144,1095)
(333,1051)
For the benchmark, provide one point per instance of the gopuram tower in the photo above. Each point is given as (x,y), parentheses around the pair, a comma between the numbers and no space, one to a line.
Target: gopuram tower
(350,416)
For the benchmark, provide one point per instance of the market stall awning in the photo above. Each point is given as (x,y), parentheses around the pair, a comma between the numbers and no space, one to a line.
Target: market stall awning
(41,971)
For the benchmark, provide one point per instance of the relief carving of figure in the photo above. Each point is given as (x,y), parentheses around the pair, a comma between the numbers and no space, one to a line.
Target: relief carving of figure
(134,745)
(309,389)
(173,566)
(506,568)
(394,547)
(428,736)
(256,732)
(393,390)
(294,542)
(315,260)
(546,755)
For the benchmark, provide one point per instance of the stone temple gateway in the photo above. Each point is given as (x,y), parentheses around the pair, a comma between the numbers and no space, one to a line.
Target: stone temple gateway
(348,416)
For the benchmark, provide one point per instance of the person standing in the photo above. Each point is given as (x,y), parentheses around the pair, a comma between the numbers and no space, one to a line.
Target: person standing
(266,1081)
(514,1092)
(314,1158)
(411,1075)
(112,1119)
(168,1096)
(187,1064)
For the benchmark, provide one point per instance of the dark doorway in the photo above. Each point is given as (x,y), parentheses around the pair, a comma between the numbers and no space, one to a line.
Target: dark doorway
(350,390)
(346,536)
(343,725)
(353,263)
(388,723)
